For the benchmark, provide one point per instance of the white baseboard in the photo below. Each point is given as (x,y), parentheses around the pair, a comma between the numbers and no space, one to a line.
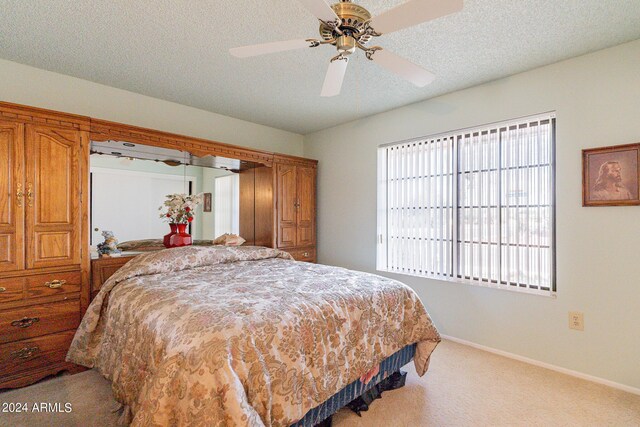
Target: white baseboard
(576,374)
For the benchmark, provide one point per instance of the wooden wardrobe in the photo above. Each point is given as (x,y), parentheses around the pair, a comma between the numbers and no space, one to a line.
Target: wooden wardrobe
(278,206)
(43,188)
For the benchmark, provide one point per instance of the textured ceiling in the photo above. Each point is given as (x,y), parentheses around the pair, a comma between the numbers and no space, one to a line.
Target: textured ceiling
(178,50)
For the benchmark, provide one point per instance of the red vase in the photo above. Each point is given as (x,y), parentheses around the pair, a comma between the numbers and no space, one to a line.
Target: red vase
(167,238)
(181,238)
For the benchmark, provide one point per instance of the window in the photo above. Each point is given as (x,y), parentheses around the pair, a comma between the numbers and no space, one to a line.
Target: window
(227,204)
(475,205)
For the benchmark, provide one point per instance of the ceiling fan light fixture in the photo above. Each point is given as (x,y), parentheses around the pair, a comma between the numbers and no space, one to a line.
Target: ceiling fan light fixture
(346,45)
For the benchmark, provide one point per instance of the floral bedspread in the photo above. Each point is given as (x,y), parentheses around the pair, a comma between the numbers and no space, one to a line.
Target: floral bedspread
(242,336)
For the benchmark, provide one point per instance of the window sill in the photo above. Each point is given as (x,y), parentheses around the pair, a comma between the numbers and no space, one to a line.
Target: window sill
(520,290)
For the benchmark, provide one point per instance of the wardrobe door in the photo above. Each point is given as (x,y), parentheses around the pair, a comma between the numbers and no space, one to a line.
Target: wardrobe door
(11,196)
(306,206)
(286,205)
(52,197)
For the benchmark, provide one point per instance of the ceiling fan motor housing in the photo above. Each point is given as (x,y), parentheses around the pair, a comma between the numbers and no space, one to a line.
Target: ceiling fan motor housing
(352,23)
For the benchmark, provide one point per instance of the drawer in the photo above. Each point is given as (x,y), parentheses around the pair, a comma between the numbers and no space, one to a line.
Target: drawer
(32,354)
(29,322)
(44,285)
(11,289)
(102,269)
(307,255)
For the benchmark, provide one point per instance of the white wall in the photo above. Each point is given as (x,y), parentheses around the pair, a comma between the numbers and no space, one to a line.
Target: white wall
(126,202)
(597,99)
(209,176)
(26,85)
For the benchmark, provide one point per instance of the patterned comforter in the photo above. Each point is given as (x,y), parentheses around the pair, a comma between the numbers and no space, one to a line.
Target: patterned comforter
(205,336)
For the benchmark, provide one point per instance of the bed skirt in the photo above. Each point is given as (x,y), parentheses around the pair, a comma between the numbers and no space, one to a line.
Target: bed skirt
(354,390)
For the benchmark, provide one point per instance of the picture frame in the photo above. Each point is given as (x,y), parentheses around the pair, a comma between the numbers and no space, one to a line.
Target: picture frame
(611,176)
(206,202)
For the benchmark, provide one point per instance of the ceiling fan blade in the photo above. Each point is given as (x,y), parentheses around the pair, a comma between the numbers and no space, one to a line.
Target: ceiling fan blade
(320,9)
(402,67)
(265,48)
(335,76)
(412,13)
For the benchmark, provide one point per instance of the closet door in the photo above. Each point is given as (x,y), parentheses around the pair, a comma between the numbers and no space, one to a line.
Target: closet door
(306,206)
(286,200)
(52,197)
(11,196)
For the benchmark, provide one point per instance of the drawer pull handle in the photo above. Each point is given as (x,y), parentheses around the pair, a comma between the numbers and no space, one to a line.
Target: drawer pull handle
(25,322)
(24,353)
(2,289)
(55,284)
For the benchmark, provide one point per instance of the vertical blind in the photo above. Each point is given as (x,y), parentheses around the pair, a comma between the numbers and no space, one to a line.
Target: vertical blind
(227,204)
(474,205)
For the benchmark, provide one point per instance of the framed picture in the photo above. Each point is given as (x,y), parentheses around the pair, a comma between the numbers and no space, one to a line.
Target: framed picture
(610,176)
(206,204)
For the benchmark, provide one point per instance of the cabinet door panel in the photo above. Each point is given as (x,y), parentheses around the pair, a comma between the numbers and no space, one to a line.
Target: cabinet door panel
(306,212)
(11,203)
(286,183)
(53,208)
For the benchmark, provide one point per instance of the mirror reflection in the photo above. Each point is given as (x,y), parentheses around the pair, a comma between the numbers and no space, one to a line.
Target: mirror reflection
(130,182)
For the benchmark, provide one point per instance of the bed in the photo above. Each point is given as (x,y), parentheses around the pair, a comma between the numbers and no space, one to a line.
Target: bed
(245,336)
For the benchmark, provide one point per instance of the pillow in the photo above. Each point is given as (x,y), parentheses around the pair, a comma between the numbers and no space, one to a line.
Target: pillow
(202,242)
(229,240)
(142,245)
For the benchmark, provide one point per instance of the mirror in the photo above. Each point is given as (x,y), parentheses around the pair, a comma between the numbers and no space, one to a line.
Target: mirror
(129,182)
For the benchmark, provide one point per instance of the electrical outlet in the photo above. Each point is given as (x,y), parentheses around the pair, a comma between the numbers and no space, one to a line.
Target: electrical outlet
(576,320)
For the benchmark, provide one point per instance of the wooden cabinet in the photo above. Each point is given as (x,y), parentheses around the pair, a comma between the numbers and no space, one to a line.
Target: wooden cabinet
(11,196)
(42,211)
(295,185)
(52,197)
(305,206)
(296,205)
(41,193)
(103,268)
(257,206)
(286,184)
(278,206)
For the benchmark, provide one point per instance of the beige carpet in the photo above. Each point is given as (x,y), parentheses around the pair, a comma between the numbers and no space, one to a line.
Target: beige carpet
(464,387)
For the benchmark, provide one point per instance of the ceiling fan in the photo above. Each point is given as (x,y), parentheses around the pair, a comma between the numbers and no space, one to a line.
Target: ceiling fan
(348,27)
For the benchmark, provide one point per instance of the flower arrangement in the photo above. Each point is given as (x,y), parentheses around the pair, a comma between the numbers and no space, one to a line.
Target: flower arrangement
(178,208)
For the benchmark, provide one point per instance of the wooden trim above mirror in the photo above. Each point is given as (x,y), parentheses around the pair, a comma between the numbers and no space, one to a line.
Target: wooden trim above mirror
(102,130)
